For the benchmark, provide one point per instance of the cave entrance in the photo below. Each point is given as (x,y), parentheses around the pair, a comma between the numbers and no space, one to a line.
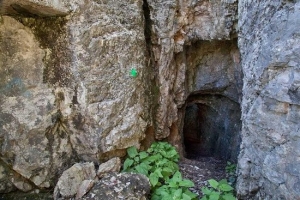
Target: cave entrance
(212,127)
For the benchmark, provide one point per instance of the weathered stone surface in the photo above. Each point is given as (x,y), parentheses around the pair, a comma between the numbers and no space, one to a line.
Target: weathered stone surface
(23,141)
(73,179)
(214,68)
(175,24)
(120,186)
(113,165)
(66,92)
(111,106)
(269,44)
(212,127)
(33,8)
(212,122)
(5,179)
(84,187)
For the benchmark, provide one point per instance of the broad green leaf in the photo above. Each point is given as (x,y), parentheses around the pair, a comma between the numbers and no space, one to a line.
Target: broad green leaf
(206,190)
(143,155)
(146,166)
(167,169)
(166,172)
(171,153)
(158,172)
(186,197)
(225,187)
(137,159)
(214,196)
(204,198)
(173,166)
(151,158)
(172,184)
(132,152)
(150,150)
(164,153)
(166,197)
(186,183)
(223,181)
(190,194)
(177,194)
(128,163)
(213,183)
(153,179)
(228,196)
(154,145)
(141,169)
(162,162)
(155,197)
(177,177)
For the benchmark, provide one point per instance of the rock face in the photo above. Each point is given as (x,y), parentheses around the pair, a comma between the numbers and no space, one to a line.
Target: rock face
(80,182)
(269,43)
(67,95)
(66,90)
(212,123)
(175,24)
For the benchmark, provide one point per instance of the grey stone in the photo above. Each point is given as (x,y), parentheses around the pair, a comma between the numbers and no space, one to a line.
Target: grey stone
(84,187)
(113,165)
(32,8)
(269,46)
(73,178)
(120,186)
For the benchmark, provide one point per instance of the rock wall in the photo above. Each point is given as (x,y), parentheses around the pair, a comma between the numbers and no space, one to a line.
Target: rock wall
(214,80)
(67,95)
(269,43)
(174,25)
(66,90)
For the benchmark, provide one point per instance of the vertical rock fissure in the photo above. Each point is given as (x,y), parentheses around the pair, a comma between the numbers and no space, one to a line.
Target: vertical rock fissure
(152,72)
(147,27)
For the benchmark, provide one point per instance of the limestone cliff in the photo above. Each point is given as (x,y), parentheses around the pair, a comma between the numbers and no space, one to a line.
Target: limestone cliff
(269,44)
(66,90)
(67,93)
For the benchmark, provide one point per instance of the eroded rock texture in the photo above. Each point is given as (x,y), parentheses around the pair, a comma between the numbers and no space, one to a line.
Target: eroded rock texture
(269,43)
(212,123)
(175,24)
(34,8)
(66,90)
(66,93)
(120,186)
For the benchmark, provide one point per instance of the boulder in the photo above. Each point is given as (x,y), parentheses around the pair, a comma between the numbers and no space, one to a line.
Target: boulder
(115,186)
(77,178)
(113,165)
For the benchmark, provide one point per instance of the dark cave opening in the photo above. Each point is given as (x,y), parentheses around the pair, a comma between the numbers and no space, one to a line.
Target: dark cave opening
(212,127)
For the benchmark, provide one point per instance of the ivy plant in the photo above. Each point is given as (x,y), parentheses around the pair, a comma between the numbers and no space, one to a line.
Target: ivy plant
(159,164)
(218,190)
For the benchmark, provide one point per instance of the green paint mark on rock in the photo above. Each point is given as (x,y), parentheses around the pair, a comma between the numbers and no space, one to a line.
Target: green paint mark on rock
(133,73)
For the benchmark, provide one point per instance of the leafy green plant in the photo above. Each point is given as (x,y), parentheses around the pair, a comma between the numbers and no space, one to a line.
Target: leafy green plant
(218,191)
(231,172)
(174,188)
(159,164)
(230,168)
